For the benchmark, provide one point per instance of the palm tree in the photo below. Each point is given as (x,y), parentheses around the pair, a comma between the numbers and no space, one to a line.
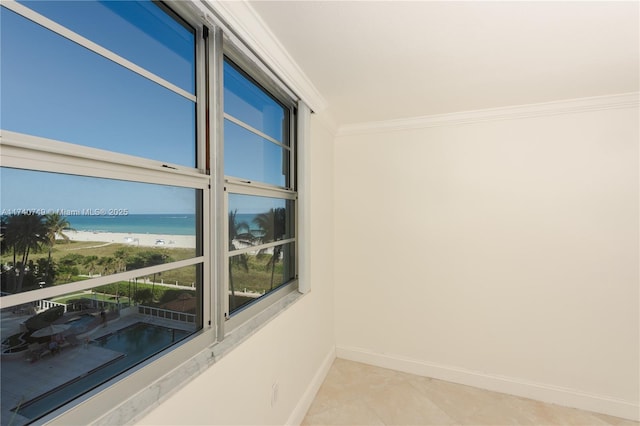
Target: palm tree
(55,226)
(3,230)
(108,265)
(90,262)
(7,280)
(121,257)
(274,226)
(25,233)
(154,259)
(238,231)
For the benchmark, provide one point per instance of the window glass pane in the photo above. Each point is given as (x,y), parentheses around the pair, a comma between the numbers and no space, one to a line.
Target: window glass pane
(254,274)
(59,228)
(79,340)
(249,156)
(139,31)
(52,87)
(246,101)
(259,220)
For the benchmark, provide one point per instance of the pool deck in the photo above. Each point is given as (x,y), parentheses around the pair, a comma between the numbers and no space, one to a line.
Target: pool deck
(21,380)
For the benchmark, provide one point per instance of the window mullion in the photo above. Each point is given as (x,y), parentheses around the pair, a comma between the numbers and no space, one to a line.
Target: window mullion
(254,130)
(239,186)
(203,222)
(259,247)
(31,152)
(49,292)
(219,299)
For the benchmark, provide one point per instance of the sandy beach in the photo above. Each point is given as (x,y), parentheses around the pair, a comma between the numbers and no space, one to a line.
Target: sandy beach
(143,240)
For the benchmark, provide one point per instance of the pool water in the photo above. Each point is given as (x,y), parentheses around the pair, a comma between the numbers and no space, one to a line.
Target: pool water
(136,342)
(79,325)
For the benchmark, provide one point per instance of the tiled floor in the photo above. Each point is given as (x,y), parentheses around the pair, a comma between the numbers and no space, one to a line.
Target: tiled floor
(360,394)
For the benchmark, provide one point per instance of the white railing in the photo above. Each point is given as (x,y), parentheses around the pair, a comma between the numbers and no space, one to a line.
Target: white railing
(43,305)
(165,313)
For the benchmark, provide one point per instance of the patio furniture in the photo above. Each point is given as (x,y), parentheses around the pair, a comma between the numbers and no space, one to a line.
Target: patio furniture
(36,351)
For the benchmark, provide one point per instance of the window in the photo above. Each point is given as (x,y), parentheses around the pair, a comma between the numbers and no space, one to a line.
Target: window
(77,95)
(137,215)
(103,255)
(260,190)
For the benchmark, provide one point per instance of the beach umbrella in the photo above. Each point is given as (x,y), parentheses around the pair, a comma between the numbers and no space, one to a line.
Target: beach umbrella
(50,330)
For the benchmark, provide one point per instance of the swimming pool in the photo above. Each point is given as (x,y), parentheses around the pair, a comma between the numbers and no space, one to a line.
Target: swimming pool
(136,343)
(80,324)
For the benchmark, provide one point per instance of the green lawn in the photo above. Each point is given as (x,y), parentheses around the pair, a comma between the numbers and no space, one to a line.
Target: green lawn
(77,260)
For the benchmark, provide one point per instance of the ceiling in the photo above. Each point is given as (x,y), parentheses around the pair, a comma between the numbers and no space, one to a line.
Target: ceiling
(382,60)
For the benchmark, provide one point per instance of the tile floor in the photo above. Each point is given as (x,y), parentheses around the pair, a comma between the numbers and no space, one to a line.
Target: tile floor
(360,394)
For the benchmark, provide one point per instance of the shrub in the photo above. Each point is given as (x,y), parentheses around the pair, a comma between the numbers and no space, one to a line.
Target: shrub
(45,318)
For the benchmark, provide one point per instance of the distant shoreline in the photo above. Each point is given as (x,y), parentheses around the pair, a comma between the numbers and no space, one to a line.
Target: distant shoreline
(135,239)
(157,224)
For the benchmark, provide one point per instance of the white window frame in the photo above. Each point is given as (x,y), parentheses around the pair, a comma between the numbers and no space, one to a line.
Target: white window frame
(215,339)
(22,151)
(238,185)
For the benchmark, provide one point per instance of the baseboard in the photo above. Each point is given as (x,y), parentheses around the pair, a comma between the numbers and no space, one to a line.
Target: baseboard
(303,405)
(540,392)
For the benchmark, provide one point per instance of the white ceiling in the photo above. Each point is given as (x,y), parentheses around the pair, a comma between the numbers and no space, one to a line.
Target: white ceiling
(385,60)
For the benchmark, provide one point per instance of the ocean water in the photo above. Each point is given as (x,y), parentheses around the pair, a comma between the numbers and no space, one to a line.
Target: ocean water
(170,224)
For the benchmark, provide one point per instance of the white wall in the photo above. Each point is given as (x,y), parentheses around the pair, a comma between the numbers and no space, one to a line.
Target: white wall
(291,350)
(502,254)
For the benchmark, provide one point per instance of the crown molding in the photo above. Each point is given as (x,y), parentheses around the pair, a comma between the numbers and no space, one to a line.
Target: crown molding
(623,100)
(249,27)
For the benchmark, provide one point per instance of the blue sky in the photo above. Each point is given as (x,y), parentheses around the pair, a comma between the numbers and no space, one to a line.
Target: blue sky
(57,89)
(41,191)
(54,88)
(30,190)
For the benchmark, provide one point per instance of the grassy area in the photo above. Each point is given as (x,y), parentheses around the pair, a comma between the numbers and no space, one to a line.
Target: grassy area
(258,276)
(79,260)
(92,248)
(183,276)
(142,292)
(99,250)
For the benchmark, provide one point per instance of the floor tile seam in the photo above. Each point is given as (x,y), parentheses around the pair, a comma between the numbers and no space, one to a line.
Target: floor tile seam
(445,410)
(557,411)
(372,411)
(338,409)
(317,413)
(442,412)
(618,420)
(334,403)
